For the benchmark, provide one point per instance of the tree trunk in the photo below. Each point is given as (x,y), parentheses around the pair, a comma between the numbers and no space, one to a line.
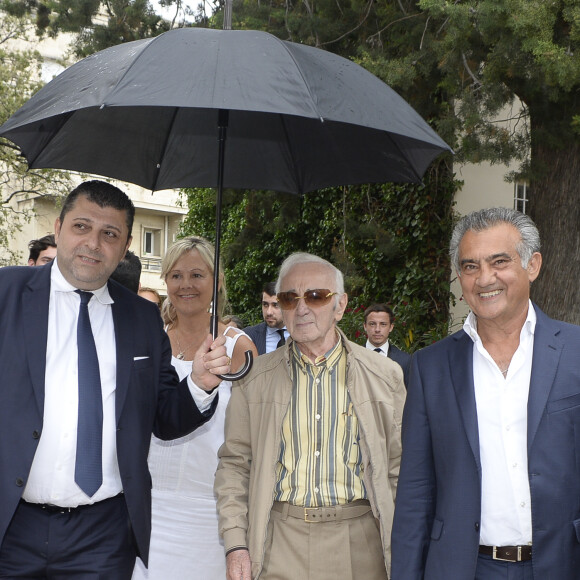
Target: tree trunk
(555,208)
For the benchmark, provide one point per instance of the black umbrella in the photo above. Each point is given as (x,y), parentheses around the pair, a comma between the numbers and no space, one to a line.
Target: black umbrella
(296,118)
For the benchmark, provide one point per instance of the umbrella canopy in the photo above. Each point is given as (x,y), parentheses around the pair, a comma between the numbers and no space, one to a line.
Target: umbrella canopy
(158,112)
(299,118)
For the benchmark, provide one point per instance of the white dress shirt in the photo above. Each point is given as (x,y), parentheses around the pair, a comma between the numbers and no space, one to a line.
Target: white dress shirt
(502,404)
(384,348)
(51,478)
(273,337)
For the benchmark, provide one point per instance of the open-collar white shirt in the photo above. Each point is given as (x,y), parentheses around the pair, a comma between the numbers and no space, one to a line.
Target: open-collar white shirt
(502,403)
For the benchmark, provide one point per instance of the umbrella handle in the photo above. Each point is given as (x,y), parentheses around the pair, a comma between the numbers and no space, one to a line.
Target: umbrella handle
(243,371)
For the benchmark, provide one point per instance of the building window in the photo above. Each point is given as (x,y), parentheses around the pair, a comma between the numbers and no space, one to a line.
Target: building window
(521,196)
(151,242)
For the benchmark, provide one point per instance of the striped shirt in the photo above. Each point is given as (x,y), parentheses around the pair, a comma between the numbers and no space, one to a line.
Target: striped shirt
(320,459)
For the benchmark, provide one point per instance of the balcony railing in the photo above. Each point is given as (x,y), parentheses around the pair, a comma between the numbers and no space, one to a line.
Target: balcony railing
(151,264)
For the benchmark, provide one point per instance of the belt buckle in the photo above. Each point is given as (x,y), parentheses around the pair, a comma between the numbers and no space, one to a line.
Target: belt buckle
(517,557)
(307,512)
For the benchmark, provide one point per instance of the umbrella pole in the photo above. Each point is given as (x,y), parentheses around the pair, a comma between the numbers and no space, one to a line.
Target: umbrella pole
(222,132)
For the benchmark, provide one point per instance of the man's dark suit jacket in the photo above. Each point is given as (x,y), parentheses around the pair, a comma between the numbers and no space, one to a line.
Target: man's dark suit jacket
(404,360)
(148,398)
(438,507)
(258,335)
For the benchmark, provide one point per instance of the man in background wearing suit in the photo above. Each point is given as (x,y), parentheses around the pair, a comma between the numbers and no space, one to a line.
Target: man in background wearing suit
(128,272)
(41,251)
(379,321)
(489,486)
(86,378)
(272,333)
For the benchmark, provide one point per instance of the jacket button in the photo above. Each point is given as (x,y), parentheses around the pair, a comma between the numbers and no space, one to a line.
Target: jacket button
(36,434)
(19,482)
(477,526)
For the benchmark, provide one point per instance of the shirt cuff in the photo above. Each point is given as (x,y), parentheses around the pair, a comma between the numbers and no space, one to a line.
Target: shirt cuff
(201,398)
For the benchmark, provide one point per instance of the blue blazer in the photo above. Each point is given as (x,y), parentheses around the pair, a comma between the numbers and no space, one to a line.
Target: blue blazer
(258,334)
(149,396)
(438,506)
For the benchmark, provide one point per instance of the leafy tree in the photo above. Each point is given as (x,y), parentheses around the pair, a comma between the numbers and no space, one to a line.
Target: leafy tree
(490,52)
(96,24)
(19,79)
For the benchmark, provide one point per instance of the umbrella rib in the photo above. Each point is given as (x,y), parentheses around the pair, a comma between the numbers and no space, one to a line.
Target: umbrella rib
(133,63)
(312,96)
(409,164)
(292,156)
(164,149)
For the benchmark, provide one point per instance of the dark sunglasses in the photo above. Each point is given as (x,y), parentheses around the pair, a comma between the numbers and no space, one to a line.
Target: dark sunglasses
(315,298)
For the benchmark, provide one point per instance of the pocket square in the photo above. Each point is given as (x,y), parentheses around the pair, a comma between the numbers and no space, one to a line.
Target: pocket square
(140,357)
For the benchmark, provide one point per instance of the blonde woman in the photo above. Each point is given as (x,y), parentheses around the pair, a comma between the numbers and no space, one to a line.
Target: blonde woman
(184,539)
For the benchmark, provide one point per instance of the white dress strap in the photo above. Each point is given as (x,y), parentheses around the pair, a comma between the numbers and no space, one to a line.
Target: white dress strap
(234,338)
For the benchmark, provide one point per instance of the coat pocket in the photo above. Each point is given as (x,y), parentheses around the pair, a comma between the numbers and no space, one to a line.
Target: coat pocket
(436,529)
(563,404)
(140,363)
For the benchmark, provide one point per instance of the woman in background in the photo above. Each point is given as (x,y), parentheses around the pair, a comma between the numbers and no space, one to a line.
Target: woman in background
(150,294)
(184,540)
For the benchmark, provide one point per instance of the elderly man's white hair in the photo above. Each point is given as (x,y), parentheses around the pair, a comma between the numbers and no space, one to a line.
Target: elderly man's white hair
(299,258)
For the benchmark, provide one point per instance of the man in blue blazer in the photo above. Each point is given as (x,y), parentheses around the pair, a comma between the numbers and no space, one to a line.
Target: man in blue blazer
(60,516)
(489,486)
(270,334)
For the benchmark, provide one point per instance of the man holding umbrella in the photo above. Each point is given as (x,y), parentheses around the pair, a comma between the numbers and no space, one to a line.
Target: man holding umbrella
(86,378)
(308,471)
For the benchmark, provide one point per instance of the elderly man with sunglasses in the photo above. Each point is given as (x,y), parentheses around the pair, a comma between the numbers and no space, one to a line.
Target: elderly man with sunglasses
(308,471)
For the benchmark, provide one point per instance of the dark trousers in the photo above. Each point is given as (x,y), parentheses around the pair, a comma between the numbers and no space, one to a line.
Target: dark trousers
(490,569)
(88,543)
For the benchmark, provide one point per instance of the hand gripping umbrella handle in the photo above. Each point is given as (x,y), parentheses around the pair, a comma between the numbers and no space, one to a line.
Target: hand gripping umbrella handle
(248,354)
(243,371)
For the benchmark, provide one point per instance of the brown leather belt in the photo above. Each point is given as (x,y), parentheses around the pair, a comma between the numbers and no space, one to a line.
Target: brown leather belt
(316,515)
(507,553)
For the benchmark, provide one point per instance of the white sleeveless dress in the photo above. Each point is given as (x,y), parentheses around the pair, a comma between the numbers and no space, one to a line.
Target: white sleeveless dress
(185,543)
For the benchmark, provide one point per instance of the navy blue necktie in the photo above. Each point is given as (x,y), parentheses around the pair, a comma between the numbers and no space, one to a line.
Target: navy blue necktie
(282,340)
(89,462)
(378,350)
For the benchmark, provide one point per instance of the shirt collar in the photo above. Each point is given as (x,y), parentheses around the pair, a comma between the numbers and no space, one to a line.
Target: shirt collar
(58,283)
(529,327)
(271,330)
(384,347)
(330,358)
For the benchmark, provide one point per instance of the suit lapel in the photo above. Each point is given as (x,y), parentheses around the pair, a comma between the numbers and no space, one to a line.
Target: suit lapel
(461,365)
(35,302)
(124,348)
(264,334)
(547,351)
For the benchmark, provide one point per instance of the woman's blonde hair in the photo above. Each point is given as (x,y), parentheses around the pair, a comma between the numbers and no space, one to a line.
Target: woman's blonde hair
(207,252)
